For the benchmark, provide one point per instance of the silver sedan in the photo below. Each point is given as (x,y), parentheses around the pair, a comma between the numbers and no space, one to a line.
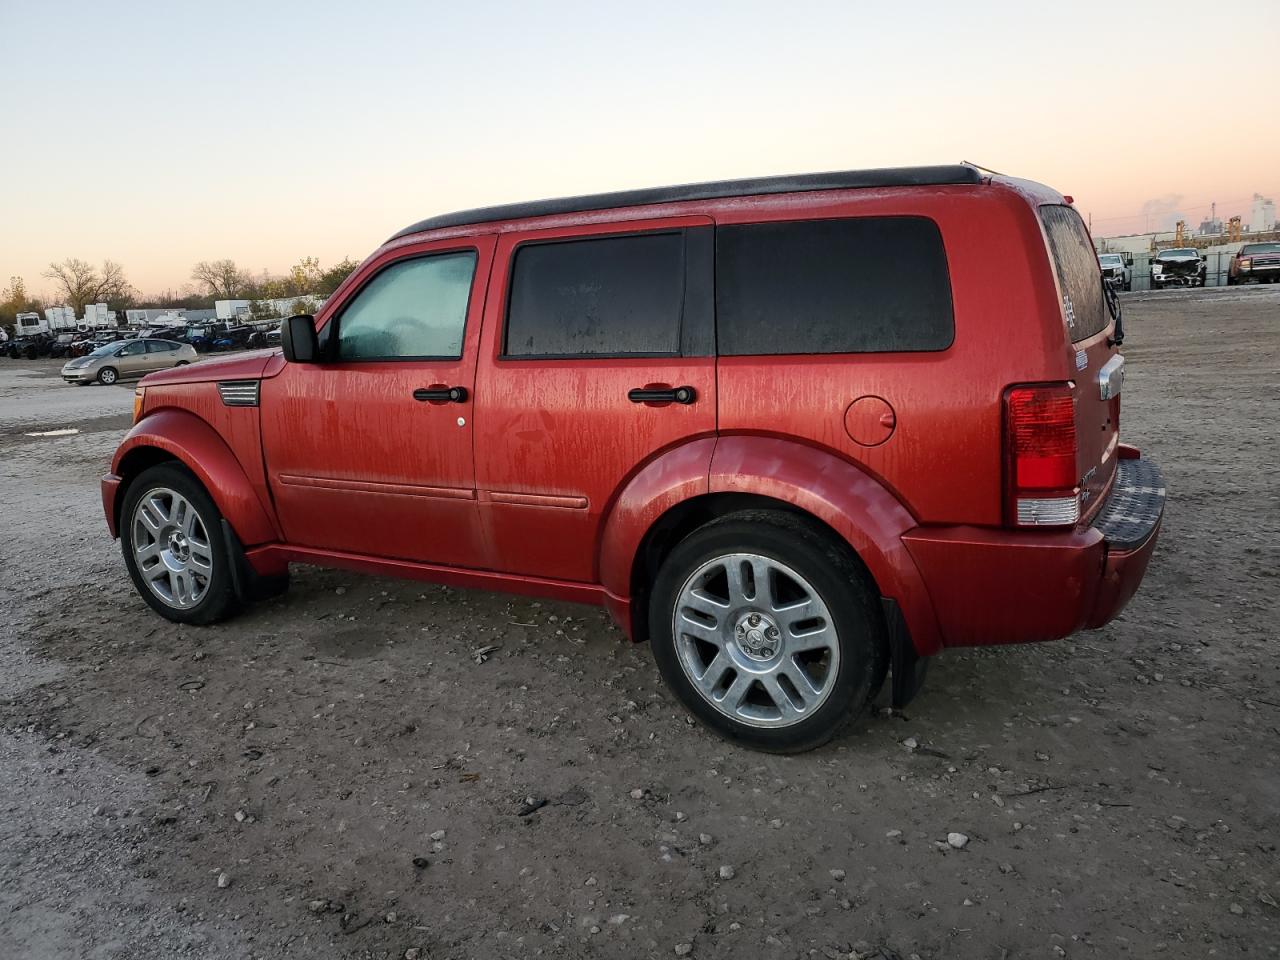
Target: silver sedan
(127,358)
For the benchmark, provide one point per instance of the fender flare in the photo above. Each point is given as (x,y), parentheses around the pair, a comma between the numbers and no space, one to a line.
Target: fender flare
(196,445)
(667,480)
(847,499)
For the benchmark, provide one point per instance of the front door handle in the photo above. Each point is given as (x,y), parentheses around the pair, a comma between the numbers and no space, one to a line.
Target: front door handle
(685,395)
(449,394)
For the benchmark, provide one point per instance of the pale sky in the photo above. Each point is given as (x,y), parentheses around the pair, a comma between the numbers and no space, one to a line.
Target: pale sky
(159,134)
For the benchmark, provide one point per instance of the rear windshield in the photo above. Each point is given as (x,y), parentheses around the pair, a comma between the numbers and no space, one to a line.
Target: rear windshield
(1077,267)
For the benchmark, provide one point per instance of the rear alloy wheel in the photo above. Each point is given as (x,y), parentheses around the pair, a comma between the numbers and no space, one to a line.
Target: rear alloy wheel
(767,630)
(172,541)
(107,376)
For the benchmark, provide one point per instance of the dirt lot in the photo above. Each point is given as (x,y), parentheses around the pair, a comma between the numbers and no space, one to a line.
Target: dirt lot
(334,774)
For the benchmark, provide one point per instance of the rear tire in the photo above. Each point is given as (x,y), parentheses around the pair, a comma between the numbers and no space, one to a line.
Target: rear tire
(804,667)
(173,545)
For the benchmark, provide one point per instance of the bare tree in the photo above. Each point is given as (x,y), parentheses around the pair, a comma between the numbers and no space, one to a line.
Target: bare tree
(223,278)
(113,288)
(78,282)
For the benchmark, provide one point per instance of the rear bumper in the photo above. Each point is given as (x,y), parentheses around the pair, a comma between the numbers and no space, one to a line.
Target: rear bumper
(1004,586)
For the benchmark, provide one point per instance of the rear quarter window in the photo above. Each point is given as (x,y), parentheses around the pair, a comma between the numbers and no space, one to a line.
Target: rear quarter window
(1076,265)
(860,285)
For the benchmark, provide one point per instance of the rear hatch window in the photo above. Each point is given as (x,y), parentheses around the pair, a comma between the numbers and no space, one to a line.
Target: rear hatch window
(1076,265)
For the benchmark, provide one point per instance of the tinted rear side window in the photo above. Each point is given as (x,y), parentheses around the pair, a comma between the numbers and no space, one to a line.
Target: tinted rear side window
(1077,267)
(607,296)
(865,285)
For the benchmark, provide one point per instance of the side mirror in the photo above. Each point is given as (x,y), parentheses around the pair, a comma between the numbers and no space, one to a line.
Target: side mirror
(299,341)
(1128,261)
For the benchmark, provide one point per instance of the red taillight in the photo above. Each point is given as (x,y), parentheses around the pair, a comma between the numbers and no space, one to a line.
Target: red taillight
(1040,456)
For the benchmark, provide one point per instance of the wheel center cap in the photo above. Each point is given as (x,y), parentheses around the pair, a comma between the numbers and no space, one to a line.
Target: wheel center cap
(757,636)
(179,546)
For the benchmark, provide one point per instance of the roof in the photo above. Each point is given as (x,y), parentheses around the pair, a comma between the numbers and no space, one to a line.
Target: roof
(840,180)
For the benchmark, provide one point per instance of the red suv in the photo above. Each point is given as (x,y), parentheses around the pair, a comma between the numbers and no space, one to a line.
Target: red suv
(792,431)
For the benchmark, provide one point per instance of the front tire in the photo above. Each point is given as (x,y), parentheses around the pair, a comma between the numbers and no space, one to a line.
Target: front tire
(173,545)
(768,630)
(107,376)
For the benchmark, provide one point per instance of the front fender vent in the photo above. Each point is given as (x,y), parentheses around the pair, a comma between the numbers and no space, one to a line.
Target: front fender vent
(239,393)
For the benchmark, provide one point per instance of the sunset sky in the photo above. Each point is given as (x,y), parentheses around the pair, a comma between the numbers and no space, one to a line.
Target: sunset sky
(159,134)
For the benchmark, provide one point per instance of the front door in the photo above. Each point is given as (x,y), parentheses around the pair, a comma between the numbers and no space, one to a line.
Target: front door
(598,357)
(370,450)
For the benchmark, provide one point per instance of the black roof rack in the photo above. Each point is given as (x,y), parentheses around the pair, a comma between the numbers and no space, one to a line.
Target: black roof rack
(840,180)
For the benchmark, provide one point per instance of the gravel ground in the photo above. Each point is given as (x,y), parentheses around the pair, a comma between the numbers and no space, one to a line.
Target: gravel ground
(338,773)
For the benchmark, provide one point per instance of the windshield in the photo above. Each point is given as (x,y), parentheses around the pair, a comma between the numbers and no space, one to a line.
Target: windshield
(105,351)
(1260,248)
(1181,252)
(1111,259)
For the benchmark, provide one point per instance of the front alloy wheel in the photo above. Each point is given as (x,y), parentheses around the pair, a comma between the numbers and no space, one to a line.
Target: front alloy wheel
(171,547)
(172,539)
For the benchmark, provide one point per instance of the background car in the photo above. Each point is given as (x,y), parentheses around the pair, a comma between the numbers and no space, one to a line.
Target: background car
(1180,267)
(1116,268)
(1255,261)
(126,359)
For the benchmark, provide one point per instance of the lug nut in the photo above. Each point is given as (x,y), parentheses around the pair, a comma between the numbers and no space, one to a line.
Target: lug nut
(754,619)
(766,652)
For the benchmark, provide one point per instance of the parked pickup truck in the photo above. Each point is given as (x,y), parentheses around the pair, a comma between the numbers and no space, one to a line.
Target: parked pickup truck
(1116,269)
(1180,267)
(1255,261)
(794,432)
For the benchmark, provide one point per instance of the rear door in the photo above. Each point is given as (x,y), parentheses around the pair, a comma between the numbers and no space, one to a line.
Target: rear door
(160,354)
(1098,365)
(598,357)
(131,361)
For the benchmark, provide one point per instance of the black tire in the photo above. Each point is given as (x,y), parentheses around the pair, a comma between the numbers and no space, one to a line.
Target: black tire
(840,581)
(219,599)
(108,375)
(31,352)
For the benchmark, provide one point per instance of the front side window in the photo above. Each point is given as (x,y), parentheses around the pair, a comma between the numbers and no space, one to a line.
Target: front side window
(414,309)
(137,348)
(861,285)
(1077,267)
(601,297)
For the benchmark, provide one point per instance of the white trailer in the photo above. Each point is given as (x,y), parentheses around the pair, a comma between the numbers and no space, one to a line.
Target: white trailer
(231,309)
(60,319)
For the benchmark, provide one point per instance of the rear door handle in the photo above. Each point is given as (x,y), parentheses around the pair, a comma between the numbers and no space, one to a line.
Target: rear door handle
(685,395)
(451,394)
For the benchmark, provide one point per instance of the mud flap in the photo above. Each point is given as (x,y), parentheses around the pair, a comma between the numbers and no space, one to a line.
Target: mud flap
(907,667)
(248,584)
